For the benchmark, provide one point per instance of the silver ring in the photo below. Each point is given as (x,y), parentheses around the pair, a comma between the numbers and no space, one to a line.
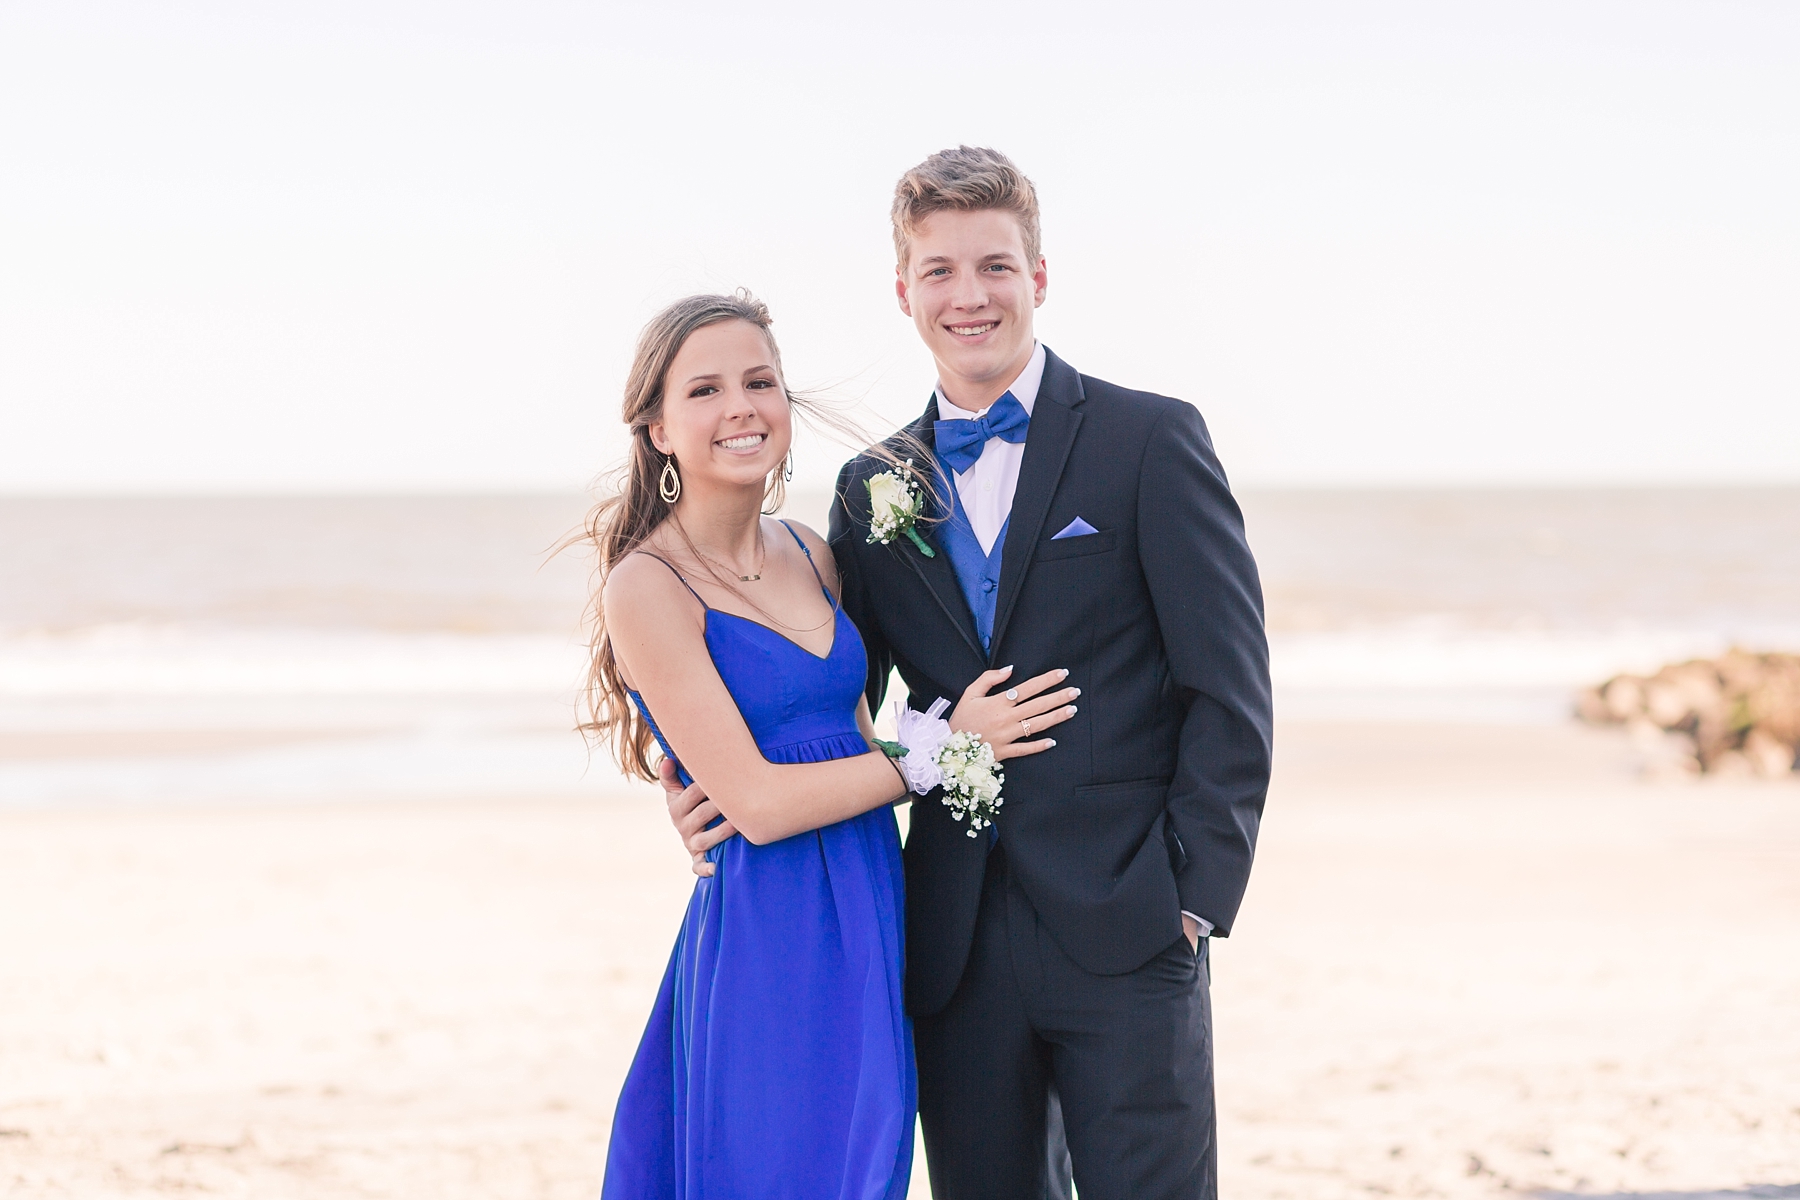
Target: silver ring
(1027,725)
(1012,693)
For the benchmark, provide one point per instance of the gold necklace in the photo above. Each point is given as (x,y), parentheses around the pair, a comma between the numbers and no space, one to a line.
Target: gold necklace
(773,620)
(729,571)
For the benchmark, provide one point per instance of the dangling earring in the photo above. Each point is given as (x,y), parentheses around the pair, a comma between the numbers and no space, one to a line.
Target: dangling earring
(669,486)
(787,472)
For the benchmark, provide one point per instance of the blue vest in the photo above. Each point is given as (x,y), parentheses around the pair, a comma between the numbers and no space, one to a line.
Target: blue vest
(978,574)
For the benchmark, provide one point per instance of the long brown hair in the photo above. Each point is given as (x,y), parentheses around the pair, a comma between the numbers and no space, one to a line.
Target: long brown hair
(633,508)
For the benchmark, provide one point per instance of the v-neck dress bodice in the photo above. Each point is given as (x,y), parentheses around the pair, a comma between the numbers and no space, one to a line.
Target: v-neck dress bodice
(798,706)
(778,1058)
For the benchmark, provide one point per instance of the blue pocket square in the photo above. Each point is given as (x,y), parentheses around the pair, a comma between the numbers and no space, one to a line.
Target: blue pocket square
(1076,528)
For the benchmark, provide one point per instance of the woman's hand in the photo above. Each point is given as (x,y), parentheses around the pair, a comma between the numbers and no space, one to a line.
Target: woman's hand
(1024,711)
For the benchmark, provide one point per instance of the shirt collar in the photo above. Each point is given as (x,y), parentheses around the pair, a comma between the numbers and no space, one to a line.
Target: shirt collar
(1024,389)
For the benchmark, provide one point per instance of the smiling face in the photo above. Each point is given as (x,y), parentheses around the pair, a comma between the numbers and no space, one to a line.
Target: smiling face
(971,293)
(725,414)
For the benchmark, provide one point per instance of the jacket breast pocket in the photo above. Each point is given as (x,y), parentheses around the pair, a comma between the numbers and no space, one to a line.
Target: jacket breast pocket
(1077,547)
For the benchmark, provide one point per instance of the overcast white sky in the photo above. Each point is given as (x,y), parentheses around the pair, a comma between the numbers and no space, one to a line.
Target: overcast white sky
(396,246)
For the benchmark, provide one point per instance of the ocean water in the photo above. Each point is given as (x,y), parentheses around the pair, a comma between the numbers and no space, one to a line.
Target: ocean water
(231,650)
(201,651)
(1496,604)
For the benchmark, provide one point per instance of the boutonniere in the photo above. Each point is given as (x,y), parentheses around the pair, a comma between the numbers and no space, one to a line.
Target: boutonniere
(894,506)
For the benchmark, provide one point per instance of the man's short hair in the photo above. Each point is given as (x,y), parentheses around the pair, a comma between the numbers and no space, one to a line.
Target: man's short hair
(968,179)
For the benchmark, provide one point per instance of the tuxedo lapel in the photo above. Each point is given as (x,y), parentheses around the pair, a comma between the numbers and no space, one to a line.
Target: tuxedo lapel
(938,576)
(1055,417)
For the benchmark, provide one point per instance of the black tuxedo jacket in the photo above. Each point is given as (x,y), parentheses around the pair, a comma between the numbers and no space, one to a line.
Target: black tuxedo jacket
(1150,801)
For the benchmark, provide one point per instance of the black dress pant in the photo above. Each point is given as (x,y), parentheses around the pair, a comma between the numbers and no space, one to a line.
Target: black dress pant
(1128,1056)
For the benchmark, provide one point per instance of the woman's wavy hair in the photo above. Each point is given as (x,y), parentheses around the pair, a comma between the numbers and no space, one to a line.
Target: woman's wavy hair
(632,507)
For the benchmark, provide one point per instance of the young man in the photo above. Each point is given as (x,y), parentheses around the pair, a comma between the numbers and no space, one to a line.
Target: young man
(1091,528)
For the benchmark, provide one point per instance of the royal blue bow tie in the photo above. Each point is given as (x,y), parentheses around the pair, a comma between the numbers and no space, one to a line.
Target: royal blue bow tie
(960,442)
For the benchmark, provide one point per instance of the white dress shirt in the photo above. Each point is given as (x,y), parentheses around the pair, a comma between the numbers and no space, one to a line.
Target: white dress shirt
(988,486)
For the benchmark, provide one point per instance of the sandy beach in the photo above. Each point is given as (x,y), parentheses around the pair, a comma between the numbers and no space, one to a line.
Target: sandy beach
(1499,964)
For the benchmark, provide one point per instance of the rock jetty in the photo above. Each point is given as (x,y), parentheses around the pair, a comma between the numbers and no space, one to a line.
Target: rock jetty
(1738,714)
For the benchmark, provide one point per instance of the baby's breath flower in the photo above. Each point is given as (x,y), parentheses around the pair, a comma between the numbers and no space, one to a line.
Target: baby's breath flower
(972,780)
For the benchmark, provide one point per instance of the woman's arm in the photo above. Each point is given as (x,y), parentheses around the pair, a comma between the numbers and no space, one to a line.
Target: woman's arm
(864,721)
(658,632)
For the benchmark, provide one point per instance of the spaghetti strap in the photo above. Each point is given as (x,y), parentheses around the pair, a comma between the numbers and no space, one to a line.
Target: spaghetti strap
(799,541)
(684,583)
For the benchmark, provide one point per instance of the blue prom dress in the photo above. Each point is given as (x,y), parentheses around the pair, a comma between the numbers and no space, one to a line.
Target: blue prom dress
(778,1062)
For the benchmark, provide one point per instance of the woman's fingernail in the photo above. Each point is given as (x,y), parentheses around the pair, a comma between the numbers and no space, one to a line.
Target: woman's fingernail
(1052,743)
(1065,672)
(1073,710)
(1075,691)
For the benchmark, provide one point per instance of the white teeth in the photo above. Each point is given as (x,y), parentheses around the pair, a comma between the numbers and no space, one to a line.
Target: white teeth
(974,330)
(748,441)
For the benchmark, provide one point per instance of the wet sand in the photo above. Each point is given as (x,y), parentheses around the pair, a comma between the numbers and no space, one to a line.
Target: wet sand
(88,744)
(1473,959)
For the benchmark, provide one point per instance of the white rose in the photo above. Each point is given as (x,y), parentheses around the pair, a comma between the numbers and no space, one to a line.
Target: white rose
(886,493)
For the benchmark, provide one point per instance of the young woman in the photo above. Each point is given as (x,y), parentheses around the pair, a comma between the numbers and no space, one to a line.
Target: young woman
(778,1059)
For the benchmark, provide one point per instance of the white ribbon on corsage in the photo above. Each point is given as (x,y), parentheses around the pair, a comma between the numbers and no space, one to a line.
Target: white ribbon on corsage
(923,734)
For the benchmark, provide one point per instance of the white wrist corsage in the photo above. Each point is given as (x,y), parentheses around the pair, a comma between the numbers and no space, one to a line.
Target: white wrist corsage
(894,507)
(930,755)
